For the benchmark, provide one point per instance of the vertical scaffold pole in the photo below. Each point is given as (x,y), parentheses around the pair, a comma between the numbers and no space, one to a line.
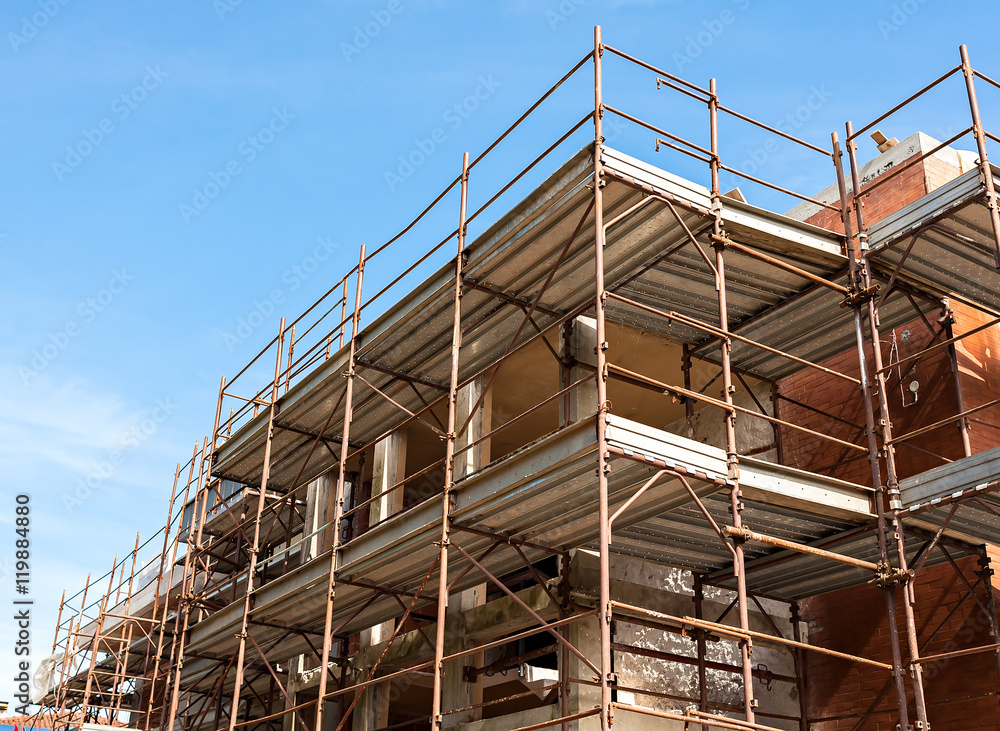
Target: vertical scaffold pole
(96,640)
(800,668)
(69,653)
(895,506)
(986,573)
(732,459)
(947,321)
(984,162)
(449,459)
(55,640)
(158,621)
(182,617)
(688,402)
(166,566)
(338,509)
(168,712)
(856,268)
(127,631)
(255,546)
(603,463)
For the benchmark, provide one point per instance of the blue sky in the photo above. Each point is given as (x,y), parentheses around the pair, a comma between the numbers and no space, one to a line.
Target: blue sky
(125,274)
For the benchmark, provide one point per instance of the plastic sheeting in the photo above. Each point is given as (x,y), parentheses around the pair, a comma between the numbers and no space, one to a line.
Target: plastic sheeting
(45,676)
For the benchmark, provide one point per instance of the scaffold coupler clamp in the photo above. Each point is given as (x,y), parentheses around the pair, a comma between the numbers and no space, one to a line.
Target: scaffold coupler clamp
(696,633)
(859,295)
(722,239)
(741,534)
(886,576)
(895,498)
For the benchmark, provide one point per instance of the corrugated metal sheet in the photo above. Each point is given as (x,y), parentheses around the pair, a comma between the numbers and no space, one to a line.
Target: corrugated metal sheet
(547,493)
(515,256)
(962,267)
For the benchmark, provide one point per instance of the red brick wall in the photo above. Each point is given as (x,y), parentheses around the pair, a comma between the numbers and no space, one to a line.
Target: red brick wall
(977,364)
(904,188)
(855,621)
(935,400)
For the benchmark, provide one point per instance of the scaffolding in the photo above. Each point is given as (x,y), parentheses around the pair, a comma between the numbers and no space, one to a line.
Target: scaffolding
(307,550)
(109,651)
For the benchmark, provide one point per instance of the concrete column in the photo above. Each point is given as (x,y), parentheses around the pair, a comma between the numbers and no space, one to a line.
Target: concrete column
(585,635)
(482,422)
(456,692)
(578,349)
(388,468)
(318,505)
(372,710)
(295,668)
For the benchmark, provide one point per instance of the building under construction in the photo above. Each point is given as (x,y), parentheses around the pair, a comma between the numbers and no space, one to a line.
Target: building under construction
(628,450)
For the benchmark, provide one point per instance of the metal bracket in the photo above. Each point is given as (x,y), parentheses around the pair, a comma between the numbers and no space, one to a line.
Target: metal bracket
(860,295)
(887,576)
(722,240)
(765,675)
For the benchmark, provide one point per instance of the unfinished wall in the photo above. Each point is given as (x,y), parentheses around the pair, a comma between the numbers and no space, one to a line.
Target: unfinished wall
(960,691)
(980,375)
(906,187)
(671,591)
(933,397)
(933,400)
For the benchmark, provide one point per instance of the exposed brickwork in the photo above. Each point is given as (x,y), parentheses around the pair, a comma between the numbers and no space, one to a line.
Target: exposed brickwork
(839,690)
(855,620)
(935,396)
(934,400)
(977,364)
(903,188)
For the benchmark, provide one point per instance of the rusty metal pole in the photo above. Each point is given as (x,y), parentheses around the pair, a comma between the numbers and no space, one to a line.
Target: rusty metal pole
(856,267)
(986,572)
(96,640)
(70,651)
(343,315)
(62,667)
(168,713)
(688,402)
(985,173)
(127,629)
(732,459)
(603,456)
(291,357)
(255,547)
(338,510)
(448,498)
(800,669)
(776,412)
(168,566)
(565,687)
(155,625)
(699,598)
(55,640)
(895,506)
(948,320)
